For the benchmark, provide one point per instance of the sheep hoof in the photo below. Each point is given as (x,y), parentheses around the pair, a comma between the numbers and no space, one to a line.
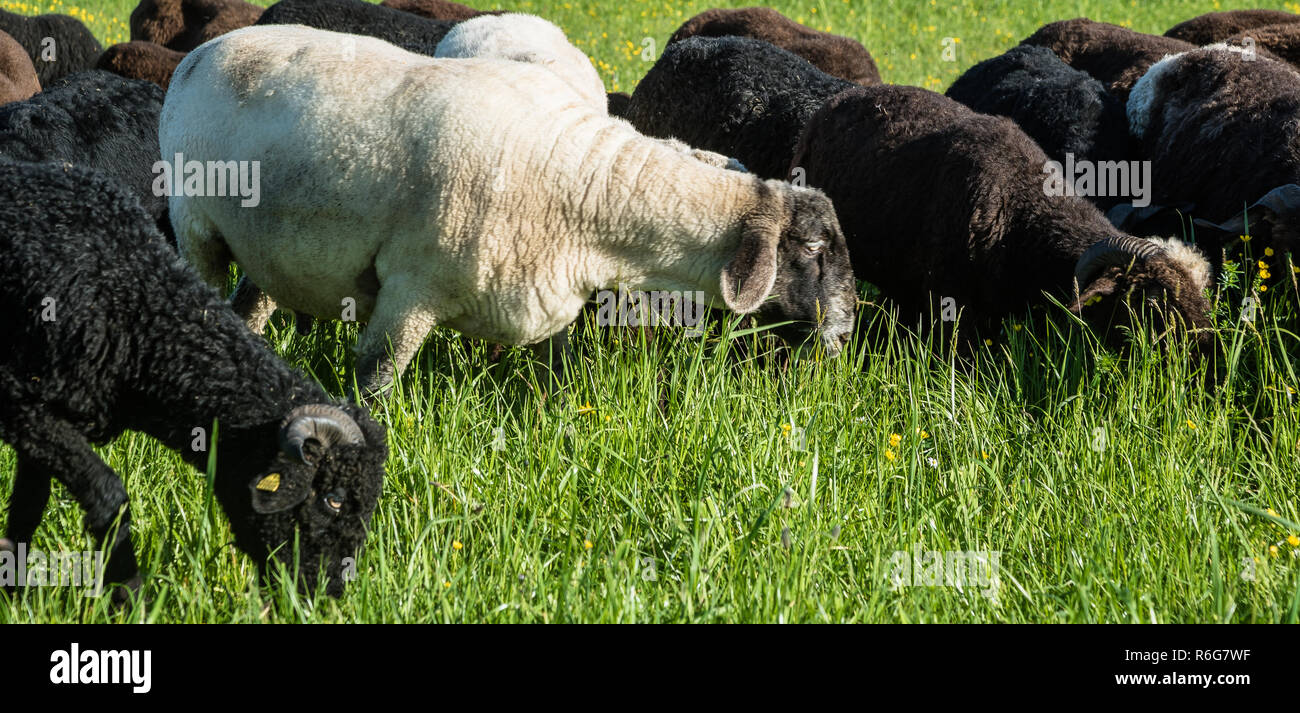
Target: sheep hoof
(123,594)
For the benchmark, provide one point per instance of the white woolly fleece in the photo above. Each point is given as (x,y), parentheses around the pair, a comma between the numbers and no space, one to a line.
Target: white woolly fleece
(1189,258)
(525,38)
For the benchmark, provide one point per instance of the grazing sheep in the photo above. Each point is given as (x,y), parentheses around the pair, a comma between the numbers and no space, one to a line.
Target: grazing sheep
(1281,41)
(356,17)
(1063,109)
(938,202)
(438,9)
(17,75)
(1220,132)
(1218,26)
(737,96)
(526,38)
(182,25)
(837,56)
(94,119)
(141,60)
(1117,56)
(57,45)
(108,331)
(500,227)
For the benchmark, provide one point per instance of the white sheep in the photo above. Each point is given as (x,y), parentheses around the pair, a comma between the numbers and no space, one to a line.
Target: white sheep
(525,38)
(481,195)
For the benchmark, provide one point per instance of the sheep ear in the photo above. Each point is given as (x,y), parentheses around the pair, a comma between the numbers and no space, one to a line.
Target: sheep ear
(748,278)
(1096,291)
(279,491)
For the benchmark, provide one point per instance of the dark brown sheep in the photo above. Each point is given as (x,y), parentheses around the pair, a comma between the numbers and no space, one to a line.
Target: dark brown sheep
(835,55)
(438,9)
(1115,55)
(1283,41)
(1218,26)
(1220,133)
(182,25)
(937,201)
(17,74)
(142,60)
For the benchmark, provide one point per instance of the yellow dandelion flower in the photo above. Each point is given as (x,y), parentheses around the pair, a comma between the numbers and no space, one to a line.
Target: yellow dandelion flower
(1263,288)
(1272,512)
(922,433)
(586,544)
(456,545)
(1244,238)
(446,585)
(1272,550)
(1265,274)
(1191,424)
(1268,252)
(586,408)
(1262,265)
(988,342)
(889,454)
(984,455)
(894,440)
(1293,540)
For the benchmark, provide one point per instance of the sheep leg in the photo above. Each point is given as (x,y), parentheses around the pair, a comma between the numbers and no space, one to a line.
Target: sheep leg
(53,446)
(400,321)
(252,305)
(27,507)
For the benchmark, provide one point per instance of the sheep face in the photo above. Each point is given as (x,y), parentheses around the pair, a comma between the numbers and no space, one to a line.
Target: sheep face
(318,492)
(1130,282)
(812,281)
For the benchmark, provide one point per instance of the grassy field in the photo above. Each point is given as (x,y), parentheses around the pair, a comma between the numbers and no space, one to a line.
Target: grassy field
(670,483)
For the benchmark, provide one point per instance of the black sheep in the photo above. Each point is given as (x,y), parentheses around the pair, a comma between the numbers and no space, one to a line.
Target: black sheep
(107,330)
(739,97)
(1220,131)
(57,44)
(356,17)
(937,201)
(94,119)
(1063,109)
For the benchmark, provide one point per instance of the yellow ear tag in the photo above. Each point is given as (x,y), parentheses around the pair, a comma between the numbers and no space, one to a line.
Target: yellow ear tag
(270,483)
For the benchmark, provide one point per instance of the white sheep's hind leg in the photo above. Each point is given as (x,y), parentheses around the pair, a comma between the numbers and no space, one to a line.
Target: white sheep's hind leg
(252,304)
(398,326)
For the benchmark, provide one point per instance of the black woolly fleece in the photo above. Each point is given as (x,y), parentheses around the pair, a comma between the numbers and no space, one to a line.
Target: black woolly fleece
(139,343)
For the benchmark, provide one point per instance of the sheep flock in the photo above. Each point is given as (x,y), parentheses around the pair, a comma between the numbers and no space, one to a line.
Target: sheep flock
(419,164)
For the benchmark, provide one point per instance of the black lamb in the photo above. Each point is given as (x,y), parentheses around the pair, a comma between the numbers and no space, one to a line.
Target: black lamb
(57,44)
(937,201)
(739,97)
(1063,109)
(1117,56)
(107,330)
(1218,26)
(356,17)
(94,119)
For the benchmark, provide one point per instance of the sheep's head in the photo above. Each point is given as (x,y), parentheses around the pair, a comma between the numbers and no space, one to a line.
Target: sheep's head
(319,491)
(1161,280)
(793,265)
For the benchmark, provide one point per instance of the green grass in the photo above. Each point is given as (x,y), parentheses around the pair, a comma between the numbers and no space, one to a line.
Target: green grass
(1117,487)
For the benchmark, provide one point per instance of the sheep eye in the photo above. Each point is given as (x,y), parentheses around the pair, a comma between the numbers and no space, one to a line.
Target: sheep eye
(815,246)
(334,501)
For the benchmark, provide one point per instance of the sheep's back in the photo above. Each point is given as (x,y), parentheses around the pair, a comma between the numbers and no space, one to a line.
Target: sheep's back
(738,97)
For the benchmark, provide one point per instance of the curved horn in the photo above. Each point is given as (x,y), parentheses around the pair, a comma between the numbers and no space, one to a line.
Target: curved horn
(327,425)
(1116,250)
